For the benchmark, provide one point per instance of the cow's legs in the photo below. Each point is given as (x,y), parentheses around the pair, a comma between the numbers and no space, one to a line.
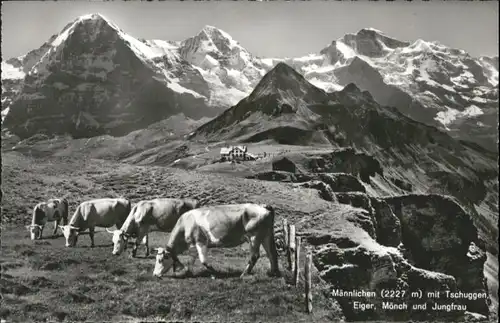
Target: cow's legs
(134,248)
(91,235)
(202,254)
(255,242)
(56,223)
(146,243)
(143,231)
(190,265)
(55,228)
(191,261)
(41,232)
(270,247)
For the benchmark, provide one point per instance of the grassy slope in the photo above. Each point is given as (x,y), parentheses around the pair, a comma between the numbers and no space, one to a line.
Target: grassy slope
(46,281)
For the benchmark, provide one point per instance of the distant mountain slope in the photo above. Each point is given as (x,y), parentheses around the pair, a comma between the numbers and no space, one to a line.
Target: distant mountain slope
(93,78)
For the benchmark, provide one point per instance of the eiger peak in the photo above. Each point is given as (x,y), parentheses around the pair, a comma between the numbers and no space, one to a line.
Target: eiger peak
(94,18)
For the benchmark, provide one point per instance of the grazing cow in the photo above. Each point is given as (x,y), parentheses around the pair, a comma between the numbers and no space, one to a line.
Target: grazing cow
(160,212)
(223,226)
(104,212)
(53,210)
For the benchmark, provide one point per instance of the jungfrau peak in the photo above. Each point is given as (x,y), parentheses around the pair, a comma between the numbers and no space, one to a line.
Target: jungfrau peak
(427,81)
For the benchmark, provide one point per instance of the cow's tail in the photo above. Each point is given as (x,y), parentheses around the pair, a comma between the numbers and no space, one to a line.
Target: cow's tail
(272,241)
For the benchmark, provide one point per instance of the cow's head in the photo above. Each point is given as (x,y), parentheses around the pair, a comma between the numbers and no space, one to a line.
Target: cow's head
(35,231)
(164,261)
(70,234)
(120,240)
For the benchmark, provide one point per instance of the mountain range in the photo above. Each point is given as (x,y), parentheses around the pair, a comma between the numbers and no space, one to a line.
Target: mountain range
(93,78)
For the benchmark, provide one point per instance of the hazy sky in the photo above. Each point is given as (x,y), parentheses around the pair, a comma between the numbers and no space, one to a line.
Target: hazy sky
(268,29)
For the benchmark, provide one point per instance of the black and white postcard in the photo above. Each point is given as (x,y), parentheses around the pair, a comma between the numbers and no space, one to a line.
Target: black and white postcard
(249,161)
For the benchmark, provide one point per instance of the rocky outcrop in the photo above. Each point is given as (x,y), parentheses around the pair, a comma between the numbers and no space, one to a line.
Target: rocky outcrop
(346,161)
(439,235)
(388,225)
(431,239)
(370,270)
(325,191)
(420,247)
(337,182)
(341,182)
(355,199)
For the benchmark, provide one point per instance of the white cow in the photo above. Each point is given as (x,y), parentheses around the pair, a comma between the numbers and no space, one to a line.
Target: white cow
(220,226)
(160,212)
(55,210)
(104,212)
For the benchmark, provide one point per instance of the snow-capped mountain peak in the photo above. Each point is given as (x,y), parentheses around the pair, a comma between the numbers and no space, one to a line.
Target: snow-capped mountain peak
(93,24)
(229,68)
(372,42)
(214,43)
(217,34)
(30,63)
(95,30)
(372,30)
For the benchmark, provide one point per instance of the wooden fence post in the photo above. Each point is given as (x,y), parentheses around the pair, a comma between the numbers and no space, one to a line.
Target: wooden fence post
(285,233)
(296,270)
(291,246)
(307,272)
